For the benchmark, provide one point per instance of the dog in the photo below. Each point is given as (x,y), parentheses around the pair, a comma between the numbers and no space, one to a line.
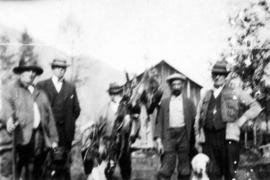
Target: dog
(199,165)
(98,172)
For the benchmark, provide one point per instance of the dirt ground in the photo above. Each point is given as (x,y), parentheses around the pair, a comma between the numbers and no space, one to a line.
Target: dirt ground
(145,164)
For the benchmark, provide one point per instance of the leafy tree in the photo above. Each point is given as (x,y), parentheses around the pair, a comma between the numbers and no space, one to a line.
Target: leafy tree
(7,59)
(249,47)
(27,48)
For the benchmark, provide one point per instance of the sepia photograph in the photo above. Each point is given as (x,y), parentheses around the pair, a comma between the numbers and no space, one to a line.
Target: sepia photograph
(135,89)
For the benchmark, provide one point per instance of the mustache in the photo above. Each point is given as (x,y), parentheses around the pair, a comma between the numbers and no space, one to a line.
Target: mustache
(176,91)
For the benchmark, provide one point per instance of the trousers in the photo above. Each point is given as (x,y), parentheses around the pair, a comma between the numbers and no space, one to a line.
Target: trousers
(223,154)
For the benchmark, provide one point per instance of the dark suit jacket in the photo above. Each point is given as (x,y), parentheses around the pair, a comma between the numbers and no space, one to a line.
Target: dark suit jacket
(162,123)
(69,102)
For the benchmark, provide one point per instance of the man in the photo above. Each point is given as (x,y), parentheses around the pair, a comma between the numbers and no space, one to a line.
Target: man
(65,106)
(173,130)
(27,114)
(119,120)
(219,118)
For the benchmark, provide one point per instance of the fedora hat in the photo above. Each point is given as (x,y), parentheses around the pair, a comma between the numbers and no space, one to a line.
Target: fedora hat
(175,76)
(221,67)
(26,64)
(114,88)
(59,63)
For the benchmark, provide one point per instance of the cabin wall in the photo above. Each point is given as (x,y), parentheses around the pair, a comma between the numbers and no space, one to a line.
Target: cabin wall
(190,90)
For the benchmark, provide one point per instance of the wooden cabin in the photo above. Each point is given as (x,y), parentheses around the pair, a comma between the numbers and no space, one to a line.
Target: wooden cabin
(191,90)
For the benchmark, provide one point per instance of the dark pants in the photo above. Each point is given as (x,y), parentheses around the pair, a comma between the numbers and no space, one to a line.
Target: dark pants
(30,157)
(125,164)
(64,143)
(223,154)
(119,153)
(176,147)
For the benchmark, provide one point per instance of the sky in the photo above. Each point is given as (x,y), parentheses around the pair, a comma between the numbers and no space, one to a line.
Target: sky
(130,35)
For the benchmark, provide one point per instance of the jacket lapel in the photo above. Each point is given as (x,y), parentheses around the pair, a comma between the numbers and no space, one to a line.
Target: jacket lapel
(65,90)
(51,86)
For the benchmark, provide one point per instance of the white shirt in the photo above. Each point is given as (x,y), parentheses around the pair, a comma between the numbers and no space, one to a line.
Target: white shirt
(217,91)
(36,110)
(114,104)
(57,83)
(176,114)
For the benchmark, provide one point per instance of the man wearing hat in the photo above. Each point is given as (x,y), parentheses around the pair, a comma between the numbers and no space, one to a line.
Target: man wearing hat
(26,112)
(219,119)
(65,106)
(173,130)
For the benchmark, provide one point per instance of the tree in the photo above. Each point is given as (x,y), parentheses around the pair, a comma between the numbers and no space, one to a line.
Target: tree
(7,59)
(249,48)
(27,48)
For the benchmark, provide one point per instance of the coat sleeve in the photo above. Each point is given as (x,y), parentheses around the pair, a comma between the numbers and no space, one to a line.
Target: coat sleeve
(192,134)
(76,106)
(253,110)
(7,106)
(197,120)
(159,122)
(53,135)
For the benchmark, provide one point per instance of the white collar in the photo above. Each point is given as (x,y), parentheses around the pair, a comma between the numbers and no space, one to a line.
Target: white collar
(56,80)
(31,88)
(217,91)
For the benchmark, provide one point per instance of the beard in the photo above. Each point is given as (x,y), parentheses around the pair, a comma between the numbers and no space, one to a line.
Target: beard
(176,92)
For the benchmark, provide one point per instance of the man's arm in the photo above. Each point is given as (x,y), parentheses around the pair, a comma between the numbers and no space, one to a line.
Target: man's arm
(253,110)
(197,120)
(76,105)
(158,129)
(159,123)
(7,110)
(53,135)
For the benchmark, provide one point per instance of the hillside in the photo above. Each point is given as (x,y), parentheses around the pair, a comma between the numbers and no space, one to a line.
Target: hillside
(96,74)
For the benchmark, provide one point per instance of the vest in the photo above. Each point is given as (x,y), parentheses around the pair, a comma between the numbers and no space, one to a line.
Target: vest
(213,116)
(58,107)
(229,105)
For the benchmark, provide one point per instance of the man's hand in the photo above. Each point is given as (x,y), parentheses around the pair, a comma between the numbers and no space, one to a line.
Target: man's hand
(54,145)
(11,125)
(198,147)
(248,125)
(159,146)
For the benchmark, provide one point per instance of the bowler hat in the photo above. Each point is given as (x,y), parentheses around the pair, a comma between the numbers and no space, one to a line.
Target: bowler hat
(175,76)
(221,67)
(114,88)
(26,64)
(59,63)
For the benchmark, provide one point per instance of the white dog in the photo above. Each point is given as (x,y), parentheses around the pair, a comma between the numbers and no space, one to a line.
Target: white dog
(199,167)
(98,172)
